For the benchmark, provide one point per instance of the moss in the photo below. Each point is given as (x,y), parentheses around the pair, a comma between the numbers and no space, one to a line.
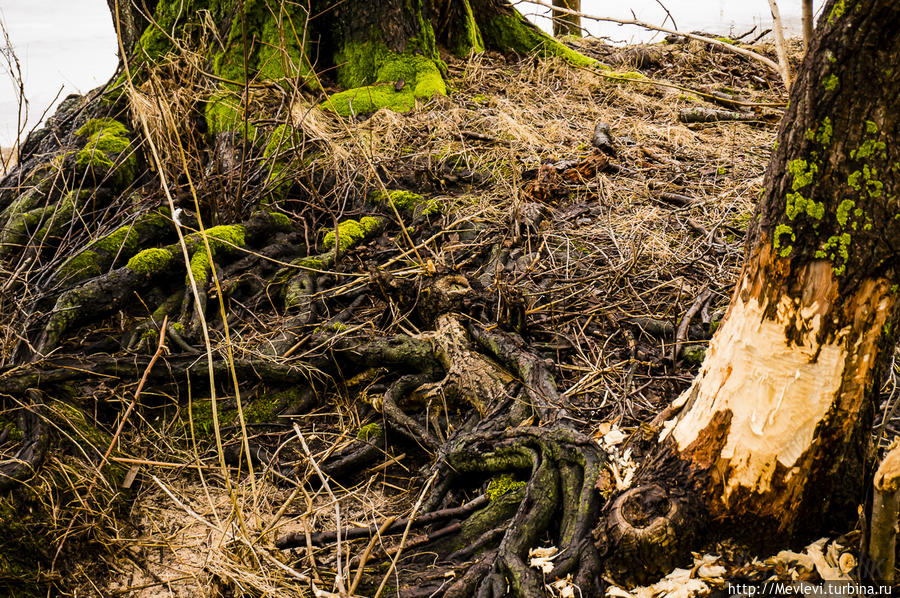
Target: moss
(223,114)
(150,261)
(281,220)
(60,216)
(352,232)
(262,409)
(380,78)
(107,152)
(220,238)
(83,265)
(467,36)
(200,267)
(627,75)
(407,201)
(830,82)
(500,485)
(201,412)
(280,155)
(510,31)
(122,242)
(225,236)
(694,355)
(369,432)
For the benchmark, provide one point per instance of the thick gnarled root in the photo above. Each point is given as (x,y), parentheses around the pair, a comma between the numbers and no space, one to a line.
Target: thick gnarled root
(558,499)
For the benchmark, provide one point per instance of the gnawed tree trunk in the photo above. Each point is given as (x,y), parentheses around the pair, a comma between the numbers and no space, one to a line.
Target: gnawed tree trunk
(772,437)
(565,23)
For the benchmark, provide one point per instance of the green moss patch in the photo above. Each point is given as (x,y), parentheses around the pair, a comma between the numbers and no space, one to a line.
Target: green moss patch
(400,79)
(407,201)
(351,232)
(150,261)
(107,152)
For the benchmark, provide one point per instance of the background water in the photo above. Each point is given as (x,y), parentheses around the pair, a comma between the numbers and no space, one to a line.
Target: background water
(68,46)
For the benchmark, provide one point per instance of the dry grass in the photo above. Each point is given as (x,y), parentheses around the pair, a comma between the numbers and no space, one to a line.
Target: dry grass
(608,254)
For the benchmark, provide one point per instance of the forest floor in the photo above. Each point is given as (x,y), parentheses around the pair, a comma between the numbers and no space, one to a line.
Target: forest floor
(605,250)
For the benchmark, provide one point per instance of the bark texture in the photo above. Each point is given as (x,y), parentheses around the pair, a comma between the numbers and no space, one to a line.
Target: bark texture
(773,432)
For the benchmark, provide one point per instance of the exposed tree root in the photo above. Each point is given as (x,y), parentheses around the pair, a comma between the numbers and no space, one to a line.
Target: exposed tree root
(25,461)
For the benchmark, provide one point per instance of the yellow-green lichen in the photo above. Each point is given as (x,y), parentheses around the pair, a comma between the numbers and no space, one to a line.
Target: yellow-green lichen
(784,249)
(107,152)
(869,148)
(837,247)
(830,82)
(825,132)
(352,232)
(843,211)
(500,485)
(837,11)
(803,174)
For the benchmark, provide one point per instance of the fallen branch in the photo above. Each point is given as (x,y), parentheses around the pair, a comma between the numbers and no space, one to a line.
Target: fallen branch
(680,335)
(785,67)
(352,533)
(772,65)
(712,115)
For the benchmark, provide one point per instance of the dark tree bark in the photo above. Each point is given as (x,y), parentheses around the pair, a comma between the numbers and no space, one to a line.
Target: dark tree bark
(385,54)
(565,23)
(773,435)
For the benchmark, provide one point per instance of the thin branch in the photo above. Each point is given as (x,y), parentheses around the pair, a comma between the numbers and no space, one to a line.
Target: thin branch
(780,49)
(771,64)
(807,23)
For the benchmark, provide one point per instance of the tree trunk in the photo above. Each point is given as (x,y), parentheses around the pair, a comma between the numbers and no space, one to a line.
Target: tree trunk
(565,23)
(385,54)
(773,433)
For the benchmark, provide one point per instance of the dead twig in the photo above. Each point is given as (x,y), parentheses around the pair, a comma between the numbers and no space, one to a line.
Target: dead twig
(681,334)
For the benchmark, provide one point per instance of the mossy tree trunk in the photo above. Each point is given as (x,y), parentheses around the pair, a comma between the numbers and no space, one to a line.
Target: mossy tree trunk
(773,433)
(384,54)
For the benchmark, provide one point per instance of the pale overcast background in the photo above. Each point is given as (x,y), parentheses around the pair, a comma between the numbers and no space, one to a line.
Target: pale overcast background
(68,46)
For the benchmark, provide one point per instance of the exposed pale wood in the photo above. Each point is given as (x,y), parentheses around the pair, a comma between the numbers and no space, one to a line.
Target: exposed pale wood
(807,23)
(784,66)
